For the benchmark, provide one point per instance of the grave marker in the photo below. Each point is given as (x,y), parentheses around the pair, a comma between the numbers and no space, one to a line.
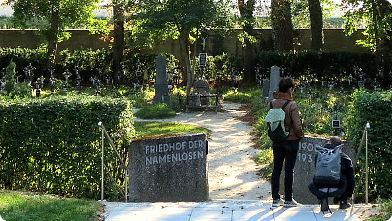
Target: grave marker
(161,86)
(274,81)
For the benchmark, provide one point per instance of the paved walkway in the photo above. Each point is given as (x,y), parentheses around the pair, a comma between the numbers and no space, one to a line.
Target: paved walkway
(225,211)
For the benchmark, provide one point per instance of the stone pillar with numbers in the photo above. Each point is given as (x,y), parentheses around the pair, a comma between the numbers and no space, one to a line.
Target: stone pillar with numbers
(305,167)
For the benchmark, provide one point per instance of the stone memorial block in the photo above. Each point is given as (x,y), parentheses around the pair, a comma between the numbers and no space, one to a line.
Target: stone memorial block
(274,81)
(305,167)
(169,169)
(161,85)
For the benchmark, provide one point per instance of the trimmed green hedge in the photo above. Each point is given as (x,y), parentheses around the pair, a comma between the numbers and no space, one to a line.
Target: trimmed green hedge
(330,65)
(375,108)
(52,145)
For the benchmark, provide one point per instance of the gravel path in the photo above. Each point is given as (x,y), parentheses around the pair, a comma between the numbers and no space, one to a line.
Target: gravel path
(232,173)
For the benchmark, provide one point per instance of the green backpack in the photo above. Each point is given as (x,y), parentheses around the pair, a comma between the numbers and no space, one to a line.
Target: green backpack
(275,118)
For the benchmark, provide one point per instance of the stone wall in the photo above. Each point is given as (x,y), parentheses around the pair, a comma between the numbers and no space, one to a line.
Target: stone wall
(334,40)
(80,39)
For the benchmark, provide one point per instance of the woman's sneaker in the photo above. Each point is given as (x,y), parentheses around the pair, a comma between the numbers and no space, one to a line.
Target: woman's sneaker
(290,203)
(275,203)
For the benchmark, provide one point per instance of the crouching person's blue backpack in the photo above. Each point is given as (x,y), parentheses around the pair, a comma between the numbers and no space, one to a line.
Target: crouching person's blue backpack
(328,165)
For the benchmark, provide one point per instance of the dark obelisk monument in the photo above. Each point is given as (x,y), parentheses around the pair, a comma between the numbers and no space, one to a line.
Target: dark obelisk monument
(161,87)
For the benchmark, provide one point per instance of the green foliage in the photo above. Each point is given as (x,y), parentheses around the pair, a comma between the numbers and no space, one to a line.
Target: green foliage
(156,111)
(375,17)
(52,144)
(10,77)
(300,13)
(243,96)
(42,14)
(22,58)
(87,61)
(319,109)
(385,212)
(154,21)
(16,206)
(13,89)
(305,66)
(21,90)
(5,22)
(150,129)
(220,66)
(375,108)
(317,65)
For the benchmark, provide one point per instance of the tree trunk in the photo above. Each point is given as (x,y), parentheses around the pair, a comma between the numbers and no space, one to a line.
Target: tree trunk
(316,25)
(53,37)
(246,11)
(381,10)
(282,26)
(118,46)
(185,59)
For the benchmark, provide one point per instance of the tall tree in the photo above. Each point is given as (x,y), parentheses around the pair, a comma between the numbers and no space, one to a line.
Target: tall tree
(282,25)
(377,15)
(316,25)
(52,17)
(177,19)
(118,46)
(246,9)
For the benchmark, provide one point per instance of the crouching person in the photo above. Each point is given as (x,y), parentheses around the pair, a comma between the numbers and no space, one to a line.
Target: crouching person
(324,186)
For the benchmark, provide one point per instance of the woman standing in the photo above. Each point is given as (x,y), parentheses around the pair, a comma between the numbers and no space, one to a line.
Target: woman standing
(285,152)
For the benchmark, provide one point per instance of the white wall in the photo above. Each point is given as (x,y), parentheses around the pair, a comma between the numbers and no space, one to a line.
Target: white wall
(5,10)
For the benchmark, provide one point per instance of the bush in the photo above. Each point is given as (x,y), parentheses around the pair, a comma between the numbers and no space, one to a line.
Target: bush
(375,108)
(52,145)
(156,111)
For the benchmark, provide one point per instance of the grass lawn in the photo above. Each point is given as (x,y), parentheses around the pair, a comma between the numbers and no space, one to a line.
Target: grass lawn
(152,129)
(20,206)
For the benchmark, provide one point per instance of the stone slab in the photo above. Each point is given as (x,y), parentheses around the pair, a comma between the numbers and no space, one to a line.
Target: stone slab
(169,169)
(274,81)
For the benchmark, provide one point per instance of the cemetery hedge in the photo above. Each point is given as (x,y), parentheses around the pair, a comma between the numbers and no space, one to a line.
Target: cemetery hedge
(88,62)
(52,144)
(373,107)
(305,65)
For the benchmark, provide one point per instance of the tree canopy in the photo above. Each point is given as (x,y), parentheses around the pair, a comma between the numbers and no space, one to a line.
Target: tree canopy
(52,17)
(183,20)
(377,17)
